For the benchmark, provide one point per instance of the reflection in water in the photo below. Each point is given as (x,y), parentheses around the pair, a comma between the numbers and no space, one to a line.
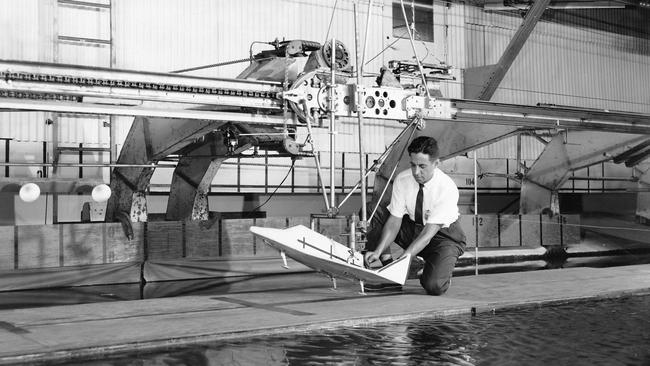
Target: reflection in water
(606,332)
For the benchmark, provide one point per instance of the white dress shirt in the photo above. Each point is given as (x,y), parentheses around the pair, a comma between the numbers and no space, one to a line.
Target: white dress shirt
(440,202)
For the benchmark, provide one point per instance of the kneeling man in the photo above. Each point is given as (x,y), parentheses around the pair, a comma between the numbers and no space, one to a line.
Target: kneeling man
(422,218)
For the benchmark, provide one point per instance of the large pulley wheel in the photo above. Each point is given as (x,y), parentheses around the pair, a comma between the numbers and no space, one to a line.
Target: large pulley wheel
(341,58)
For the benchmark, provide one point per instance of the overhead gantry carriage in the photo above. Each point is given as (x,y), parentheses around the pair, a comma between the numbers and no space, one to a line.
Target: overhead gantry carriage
(206,121)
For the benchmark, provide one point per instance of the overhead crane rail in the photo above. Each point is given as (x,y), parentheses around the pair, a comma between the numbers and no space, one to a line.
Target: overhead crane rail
(74,83)
(75,89)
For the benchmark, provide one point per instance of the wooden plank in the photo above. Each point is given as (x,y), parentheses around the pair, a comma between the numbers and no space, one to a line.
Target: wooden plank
(488,231)
(467,224)
(82,244)
(550,230)
(38,246)
(509,231)
(164,240)
(201,240)
(530,230)
(119,248)
(236,238)
(570,229)
(7,248)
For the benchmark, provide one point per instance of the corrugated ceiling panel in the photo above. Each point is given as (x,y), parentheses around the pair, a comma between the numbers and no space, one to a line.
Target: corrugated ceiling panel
(85,22)
(17,19)
(84,54)
(77,129)
(24,126)
(170,35)
(27,28)
(453,33)
(577,67)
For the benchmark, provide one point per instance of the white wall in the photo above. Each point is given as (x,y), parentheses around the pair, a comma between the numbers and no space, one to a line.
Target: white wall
(563,65)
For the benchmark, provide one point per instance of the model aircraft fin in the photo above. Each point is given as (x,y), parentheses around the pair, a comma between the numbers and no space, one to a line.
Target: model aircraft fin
(396,271)
(284,259)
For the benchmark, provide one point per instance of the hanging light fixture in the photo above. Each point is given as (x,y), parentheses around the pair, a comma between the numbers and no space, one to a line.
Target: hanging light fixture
(29,192)
(101,193)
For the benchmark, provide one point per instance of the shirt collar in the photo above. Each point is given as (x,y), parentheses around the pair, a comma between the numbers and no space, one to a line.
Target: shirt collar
(428,183)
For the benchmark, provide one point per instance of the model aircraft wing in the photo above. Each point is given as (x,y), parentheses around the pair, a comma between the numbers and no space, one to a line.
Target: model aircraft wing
(325,255)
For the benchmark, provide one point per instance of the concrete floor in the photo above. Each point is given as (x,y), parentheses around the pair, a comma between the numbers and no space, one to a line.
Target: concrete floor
(297,302)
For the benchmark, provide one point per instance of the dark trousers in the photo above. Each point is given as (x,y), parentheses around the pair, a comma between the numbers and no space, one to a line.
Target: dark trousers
(440,255)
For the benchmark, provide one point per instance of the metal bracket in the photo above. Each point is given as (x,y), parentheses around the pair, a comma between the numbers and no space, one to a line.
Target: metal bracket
(425,107)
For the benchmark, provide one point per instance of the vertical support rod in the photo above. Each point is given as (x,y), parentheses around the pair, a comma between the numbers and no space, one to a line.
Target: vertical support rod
(81,160)
(365,39)
(238,174)
(518,169)
(343,172)
(7,158)
(111,143)
(359,107)
(112,139)
(44,168)
(332,125)
(266,171)
(353,232)
(111,26)
(293,179)
(317,161)
(475,215)
(415,53)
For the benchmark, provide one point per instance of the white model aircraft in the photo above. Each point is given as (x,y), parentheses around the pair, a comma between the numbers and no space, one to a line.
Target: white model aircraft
(326,255)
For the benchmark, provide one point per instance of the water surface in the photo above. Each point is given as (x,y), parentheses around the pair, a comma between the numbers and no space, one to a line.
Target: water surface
(604,332)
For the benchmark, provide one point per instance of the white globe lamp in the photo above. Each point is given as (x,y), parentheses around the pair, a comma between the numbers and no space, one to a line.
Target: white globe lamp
(101,193)
(29,192)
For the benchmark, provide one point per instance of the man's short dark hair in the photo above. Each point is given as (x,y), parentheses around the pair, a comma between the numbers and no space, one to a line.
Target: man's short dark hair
(426,145)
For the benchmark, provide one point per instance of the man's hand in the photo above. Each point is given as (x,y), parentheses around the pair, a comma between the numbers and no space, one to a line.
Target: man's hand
(371,257)
(405,253)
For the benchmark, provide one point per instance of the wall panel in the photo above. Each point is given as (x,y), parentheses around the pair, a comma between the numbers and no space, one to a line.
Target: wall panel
(28,29)
(563,65)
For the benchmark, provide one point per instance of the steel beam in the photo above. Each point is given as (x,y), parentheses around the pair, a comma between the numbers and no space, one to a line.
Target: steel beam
(11,104)
(85,75)
(148,141)
(548,117)
(188,193)
(562,155)
(512,50)
(453,138)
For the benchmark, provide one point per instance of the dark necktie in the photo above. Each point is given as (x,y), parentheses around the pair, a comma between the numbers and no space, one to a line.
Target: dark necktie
(418,206)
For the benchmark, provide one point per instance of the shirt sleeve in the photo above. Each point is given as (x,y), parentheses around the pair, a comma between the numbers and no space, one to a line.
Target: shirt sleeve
(397,206)
(446,208)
